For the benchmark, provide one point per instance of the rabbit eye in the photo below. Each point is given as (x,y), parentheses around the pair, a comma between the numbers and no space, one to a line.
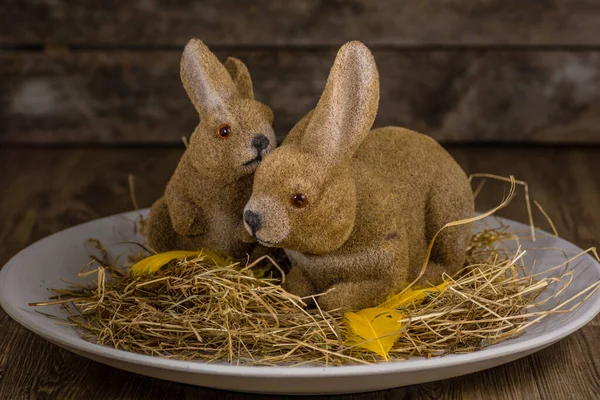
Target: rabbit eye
(299,200)
(223,131)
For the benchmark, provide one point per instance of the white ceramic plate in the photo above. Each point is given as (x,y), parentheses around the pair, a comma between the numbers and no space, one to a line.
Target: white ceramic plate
(42,265)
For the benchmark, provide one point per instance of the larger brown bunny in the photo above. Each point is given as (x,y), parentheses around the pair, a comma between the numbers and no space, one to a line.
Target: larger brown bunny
(355,210)
(204,200)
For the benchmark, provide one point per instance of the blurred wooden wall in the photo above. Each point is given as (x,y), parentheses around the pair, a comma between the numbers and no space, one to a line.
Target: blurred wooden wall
(106,71)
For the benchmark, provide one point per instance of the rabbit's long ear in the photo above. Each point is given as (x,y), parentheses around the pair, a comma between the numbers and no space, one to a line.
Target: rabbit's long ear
(348,106)
(205,79)
(241,77)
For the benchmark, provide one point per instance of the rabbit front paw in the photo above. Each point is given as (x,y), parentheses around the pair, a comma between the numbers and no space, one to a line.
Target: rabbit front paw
(296,282)
(186,218)
(353,295)
(187,226)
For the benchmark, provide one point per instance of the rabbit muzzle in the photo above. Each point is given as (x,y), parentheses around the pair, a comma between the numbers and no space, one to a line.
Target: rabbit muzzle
(261,145)
(253,221)
(267,221)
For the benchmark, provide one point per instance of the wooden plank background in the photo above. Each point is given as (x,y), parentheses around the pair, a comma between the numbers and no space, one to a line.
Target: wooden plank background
(461,71)
(302,22)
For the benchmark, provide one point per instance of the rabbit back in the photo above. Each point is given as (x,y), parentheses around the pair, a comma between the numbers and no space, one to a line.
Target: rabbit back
(422,188)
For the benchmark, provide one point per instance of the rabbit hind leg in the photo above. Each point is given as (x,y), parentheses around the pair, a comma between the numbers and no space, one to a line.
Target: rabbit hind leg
(448,203)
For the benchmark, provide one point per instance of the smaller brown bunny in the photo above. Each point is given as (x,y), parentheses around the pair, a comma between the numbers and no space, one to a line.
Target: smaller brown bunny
(204,200)
(356,209)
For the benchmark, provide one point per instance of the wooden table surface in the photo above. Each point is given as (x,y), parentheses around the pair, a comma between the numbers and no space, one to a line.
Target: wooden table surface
(47,190)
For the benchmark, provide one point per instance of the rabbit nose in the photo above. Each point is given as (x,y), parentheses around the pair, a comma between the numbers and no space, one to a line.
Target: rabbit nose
(260,142)
(253,220)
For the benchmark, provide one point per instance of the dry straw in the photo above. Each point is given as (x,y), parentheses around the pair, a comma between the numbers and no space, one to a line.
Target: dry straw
(194,309)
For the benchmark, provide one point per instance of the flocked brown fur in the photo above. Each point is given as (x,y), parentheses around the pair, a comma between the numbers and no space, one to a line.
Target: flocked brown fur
(204,200)
(372,205)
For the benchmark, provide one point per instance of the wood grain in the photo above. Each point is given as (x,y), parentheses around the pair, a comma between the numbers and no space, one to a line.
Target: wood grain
(46,190)
(302,22)
(452,95)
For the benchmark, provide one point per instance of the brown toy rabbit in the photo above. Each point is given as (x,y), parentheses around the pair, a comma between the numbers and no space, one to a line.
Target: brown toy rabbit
(204,200)
(355,210)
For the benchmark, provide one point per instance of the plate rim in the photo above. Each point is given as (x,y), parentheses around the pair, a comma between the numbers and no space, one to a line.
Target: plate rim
(319,372)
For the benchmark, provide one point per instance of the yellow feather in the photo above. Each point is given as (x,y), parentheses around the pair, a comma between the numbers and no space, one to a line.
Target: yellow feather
(377,329)
(150,265)
(415,296)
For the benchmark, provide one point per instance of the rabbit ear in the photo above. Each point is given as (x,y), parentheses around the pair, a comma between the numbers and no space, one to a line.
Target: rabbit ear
(241,77)
(347,108)
(205,79)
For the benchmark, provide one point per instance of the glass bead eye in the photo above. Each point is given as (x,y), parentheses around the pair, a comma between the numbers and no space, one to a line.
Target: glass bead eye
(299,200)
(223,131)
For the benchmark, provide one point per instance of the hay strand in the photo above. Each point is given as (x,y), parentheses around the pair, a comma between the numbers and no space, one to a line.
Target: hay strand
(198,309)
(195,309)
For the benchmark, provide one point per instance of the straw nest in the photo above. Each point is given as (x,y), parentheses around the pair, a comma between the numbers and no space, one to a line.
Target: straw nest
(195,309)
